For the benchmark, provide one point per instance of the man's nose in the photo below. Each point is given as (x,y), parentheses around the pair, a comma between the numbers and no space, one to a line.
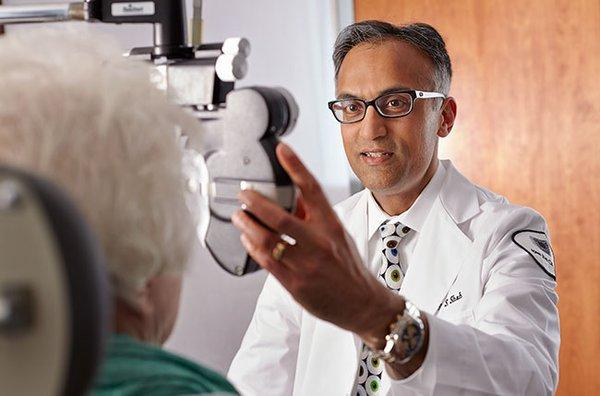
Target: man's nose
(373,125)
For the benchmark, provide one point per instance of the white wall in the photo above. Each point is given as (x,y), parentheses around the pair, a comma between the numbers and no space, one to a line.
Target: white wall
(291,47)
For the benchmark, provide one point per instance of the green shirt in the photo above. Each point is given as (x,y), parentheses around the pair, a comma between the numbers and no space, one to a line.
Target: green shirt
(132,368)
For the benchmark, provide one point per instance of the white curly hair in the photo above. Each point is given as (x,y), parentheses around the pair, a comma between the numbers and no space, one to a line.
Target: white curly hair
(73,110)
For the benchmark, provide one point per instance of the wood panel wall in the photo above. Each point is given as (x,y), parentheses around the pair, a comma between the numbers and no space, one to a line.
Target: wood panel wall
(527,83)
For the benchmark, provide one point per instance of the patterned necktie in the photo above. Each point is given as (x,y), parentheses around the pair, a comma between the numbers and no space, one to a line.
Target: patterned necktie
(391,273)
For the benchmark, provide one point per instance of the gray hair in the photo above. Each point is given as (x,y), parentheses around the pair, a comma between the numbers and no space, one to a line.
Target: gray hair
(74,111)
(422,36)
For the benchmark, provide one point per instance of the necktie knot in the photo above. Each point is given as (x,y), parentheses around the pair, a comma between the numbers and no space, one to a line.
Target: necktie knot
(393,228)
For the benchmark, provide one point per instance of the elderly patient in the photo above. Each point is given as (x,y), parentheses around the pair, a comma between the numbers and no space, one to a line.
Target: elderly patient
(74,111)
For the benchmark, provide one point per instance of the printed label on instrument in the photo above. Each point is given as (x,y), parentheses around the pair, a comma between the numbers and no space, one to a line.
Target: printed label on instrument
(143,8)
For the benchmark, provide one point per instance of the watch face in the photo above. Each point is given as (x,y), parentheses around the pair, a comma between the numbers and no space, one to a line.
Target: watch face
(410,340)
(405,338)
(412,334)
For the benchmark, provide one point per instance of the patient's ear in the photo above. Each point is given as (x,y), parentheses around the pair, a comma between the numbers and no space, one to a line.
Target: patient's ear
(132,314)
(150,314)
(145,304)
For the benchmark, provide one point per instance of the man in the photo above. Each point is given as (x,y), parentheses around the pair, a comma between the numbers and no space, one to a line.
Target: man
(437,286)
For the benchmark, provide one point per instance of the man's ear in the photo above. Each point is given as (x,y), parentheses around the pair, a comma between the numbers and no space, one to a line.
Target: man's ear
(447,117)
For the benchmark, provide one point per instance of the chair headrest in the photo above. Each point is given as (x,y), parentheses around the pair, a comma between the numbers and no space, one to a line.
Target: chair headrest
(54,297)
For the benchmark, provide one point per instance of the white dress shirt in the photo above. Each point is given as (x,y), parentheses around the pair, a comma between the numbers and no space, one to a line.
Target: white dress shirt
(414,218)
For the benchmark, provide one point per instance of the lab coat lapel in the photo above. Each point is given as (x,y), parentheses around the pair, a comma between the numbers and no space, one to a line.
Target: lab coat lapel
(333,363)
(354,219)
(341,347)
(442,246)
(356,226)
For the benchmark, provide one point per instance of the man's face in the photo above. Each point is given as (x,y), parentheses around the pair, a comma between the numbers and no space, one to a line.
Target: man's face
(407,145)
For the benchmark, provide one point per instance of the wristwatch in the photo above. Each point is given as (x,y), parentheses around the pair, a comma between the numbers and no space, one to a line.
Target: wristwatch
(405,338)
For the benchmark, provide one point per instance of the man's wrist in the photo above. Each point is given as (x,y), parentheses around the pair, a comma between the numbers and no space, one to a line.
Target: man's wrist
(405,337)
(398,371)
(384,312)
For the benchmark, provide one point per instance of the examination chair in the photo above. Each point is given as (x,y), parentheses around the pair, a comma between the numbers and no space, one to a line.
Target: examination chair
(54,298)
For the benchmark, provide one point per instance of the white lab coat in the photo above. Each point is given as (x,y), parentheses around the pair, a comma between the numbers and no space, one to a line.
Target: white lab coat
(491,308)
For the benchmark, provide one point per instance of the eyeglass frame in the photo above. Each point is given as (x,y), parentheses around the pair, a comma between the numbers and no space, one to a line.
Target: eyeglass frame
(414,95)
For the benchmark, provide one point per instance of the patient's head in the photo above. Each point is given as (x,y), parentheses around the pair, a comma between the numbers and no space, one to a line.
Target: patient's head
(74,111)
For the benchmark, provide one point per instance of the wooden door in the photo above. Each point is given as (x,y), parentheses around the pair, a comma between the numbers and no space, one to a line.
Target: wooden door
(527,83)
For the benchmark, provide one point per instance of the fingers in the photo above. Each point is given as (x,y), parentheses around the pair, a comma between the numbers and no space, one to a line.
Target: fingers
(311,190)
(300,211)
(276,268)
(262,240)
(259,236)
(259,243)
(273,216)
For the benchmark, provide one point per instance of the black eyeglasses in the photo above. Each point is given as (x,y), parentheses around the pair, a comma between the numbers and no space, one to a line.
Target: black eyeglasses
(389,105)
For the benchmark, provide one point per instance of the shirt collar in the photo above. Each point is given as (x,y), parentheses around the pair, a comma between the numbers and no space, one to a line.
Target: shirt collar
(415,216)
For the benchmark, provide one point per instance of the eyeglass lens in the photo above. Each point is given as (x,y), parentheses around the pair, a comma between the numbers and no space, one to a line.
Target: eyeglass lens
(391,105)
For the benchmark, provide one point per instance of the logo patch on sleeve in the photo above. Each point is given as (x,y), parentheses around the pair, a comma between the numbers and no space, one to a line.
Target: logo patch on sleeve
(537,245)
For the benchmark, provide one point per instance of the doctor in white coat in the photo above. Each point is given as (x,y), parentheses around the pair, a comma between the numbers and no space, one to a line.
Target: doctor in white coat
(464,303)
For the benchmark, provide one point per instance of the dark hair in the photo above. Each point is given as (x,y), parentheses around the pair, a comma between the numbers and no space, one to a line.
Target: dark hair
(422,36)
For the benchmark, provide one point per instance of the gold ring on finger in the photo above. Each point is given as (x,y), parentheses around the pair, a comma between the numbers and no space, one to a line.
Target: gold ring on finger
(279,250)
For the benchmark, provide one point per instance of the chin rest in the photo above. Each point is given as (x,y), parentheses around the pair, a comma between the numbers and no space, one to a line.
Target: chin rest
(54,298)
